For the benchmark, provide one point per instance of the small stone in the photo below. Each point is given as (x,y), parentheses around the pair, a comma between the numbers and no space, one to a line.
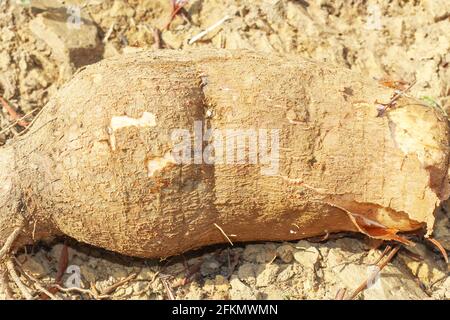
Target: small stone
(145,274)
(335,257)
(119,292)
(88,273)
(442,229)
(427,270)
(240,291)
(221,283)
(172,39)
(75,43)
(34,267)
(209,266)
(246,273)
(118,272)
(56,252)
(286,253)
(194,293)
(139,286)
(129,290)
(436,8)
(260,253)
(7,34)
(121,8)
(157,285)
(267,276)
(102,285)
(307,256)
(275,294)
(446,286)
(286,274)
(208,286)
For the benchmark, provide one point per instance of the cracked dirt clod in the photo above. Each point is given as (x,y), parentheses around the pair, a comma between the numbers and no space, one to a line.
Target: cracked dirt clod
(72,38)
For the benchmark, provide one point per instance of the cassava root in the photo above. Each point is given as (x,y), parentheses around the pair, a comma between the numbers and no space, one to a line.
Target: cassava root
(101,163)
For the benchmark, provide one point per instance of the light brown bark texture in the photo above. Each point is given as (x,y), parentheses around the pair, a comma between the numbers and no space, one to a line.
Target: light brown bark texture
(96,164)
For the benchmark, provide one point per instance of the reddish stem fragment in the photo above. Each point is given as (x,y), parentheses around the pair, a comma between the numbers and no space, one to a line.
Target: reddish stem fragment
(13,114)
(177,5)
(363,286)
(440,248)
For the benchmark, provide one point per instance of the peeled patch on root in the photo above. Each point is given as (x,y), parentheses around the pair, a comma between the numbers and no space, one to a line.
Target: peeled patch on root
(159,163)
(119,122)
(417,134)
(147,120)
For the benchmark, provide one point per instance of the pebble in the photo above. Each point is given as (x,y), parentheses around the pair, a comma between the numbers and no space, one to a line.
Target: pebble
(34,267)
(268,275)
(239,291)
(246,273)
(76,44)
(286,274)
(286,253)
(209,266)
(307,257)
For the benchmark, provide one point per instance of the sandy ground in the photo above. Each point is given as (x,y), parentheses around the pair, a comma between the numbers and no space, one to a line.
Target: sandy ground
(398,40)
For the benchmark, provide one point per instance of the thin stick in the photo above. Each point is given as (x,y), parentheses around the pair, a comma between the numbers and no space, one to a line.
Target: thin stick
(108,33)
(209,29)
(340,294)
(17,121)
(168,289)
(381,265)
(440,247)
(224,234)
(383,254)
(157,37)
(13,113)
(81,291)
(386,106)
(9,242)
(176,8)
(112,288)
(31,123)
(12,272)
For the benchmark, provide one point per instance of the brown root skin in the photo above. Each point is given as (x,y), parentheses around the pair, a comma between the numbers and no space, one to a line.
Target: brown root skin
(10,219)
(96,165)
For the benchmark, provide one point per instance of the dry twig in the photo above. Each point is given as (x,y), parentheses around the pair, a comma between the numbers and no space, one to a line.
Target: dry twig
(169,290)
(177,6)
(13,113)
(9,242)
(380,266)
(440,248)
(113,287)
(15,277)
(383,107)
(209,29)
(224,234)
